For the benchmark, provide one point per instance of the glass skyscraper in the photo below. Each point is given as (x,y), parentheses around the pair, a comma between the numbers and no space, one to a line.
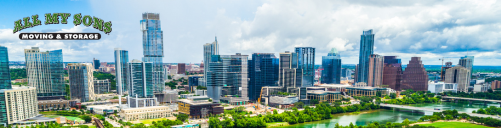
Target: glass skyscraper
(306,62)
(366,50)
(121,60)
(45,72)
(81,81)
(209,50)
(139,82)
(4,69)
(467,62)
(332,68)
(228,72)
(153,49)
(263,71)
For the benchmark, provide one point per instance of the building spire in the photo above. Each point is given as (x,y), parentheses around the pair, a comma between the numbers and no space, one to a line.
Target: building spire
(215,39)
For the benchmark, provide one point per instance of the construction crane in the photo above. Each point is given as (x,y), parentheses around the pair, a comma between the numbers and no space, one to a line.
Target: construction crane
(259,99)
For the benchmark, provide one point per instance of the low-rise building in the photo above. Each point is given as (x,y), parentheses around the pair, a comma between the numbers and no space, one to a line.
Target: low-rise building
(103,109)
(167,96)
(481,87)
(46,105)
(278,101)
(325,96)
(440,87)
(367,91)
(199,107)
(201,92)
(154,112)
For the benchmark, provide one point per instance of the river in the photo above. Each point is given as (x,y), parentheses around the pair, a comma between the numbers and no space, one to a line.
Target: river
(387,115)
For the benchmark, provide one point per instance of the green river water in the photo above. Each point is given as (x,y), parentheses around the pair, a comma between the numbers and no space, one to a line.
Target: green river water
(387,115)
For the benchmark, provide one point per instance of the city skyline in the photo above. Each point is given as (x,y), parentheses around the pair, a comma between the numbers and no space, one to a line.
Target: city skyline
(444,33)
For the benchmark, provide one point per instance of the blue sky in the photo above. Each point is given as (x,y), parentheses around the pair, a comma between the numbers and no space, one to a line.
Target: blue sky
(426,28)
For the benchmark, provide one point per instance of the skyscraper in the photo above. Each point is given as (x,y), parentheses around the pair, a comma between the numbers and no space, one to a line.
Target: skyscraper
(209,50)
(460,75)
(263,71)
(121,60)
(140,80)
(332,68)
(467,62)
(366,49)
(375,76)
(290,76)
(415,76)
(444,70)
(153,49)
(181,68)
(227,75)
(306,62)
(96,64)
(4,69)
(392,72)
(81,81)
(45,72)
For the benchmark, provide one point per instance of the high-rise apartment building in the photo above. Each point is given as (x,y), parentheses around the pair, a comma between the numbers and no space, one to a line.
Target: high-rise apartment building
(366,50)
(140,80)
(375,76)
(263,71)
(209,50)
(153,49)
(444,69)
(45,72)
(332,68)
(392,72)
(121,60)
(96,63)
(81,81)
(227,75)
(101,86)
(467,62)
(415,76)
(181,68)
(306,62)
(4,69)
(460,75)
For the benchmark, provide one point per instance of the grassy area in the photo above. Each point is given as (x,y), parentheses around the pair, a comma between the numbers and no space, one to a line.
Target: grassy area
(276,124)
(149,121)
(454,125)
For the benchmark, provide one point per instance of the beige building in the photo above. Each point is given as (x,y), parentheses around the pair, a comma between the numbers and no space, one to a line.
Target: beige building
(460,75)
(20,104)
(131,114)
(46,105)
(81,81)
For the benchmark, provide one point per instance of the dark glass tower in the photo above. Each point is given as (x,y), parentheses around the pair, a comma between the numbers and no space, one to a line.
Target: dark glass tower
(332,68)
(121,60)
(153,49)
(263,71)
(366,50)
(4,69)
(306,62)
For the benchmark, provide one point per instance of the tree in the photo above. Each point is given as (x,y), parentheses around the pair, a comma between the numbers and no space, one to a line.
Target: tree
(182,117)
(406,122)
(299,104)
(314,101)
(86,118)
(393,96)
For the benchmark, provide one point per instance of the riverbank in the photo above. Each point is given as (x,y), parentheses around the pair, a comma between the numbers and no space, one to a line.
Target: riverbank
(451,124)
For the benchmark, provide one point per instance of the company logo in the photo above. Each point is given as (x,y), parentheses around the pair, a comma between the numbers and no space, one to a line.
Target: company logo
(53,18)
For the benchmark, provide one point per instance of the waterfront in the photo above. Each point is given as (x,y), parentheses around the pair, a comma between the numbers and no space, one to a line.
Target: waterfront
(387,115)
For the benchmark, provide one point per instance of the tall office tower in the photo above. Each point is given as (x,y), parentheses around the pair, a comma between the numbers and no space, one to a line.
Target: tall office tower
(467,62)
(444,69)
(209,50)
(346,73)
(290,76)
(140,80)
(4,69)
(392,72)
(153,49)
(415,76)
(460,75)
(332,68)
(263,71)
(366,50)
(181,68)
(375,76)
(306,62)
(81,81)
(96,63)
(227,75)
(45,72)
(121,60)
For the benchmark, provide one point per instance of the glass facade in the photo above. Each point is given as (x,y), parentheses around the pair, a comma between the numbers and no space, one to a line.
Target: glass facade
(153,49)
(81,81)
(45,72)
(332,68)
(97,64)
(140,83)
(230,72)
(209,50)
(306,62)
(4,69)
(263,71)
(467,62)
(121,60)
(366,49)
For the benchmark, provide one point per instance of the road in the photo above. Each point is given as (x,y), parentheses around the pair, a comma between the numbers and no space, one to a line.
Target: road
(433,110)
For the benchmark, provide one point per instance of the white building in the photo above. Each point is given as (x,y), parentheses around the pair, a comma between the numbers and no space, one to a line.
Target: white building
(481,87)
(132,114)
(442,87)
(20,104)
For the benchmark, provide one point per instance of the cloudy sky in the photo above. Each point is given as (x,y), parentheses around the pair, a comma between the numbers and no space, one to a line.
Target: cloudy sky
(430,29)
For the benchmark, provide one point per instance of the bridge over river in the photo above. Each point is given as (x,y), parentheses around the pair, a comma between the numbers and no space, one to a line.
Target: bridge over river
(433,110)
(471,99)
